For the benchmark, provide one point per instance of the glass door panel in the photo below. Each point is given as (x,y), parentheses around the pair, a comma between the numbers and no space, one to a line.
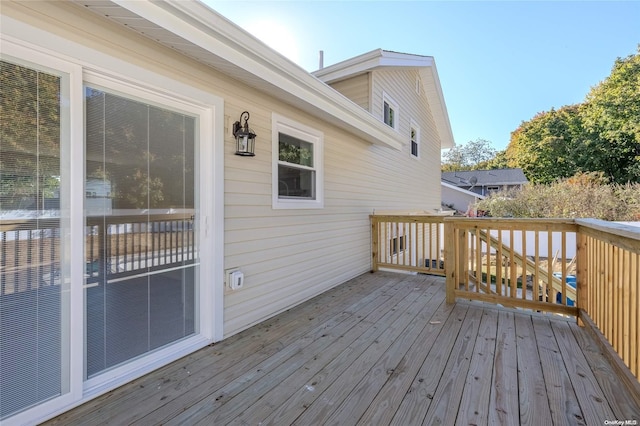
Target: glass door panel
(141,246)
(34,295)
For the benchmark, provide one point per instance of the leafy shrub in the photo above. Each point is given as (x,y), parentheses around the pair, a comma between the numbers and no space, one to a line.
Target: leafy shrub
(585,195)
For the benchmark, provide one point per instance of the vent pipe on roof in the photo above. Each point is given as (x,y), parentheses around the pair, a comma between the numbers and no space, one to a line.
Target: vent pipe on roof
(321,65)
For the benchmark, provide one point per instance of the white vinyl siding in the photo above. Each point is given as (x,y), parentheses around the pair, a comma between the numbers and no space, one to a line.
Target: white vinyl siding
(356,88)
(415,111)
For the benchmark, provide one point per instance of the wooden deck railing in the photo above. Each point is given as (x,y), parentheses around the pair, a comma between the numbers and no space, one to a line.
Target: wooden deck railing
(609,285)
(408,242)
(518,263)
(586,268)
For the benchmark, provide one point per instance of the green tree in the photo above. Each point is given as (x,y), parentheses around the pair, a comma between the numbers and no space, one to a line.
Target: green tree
(600,135)
(611,116)
(500,161)
(469,156)
(546,146)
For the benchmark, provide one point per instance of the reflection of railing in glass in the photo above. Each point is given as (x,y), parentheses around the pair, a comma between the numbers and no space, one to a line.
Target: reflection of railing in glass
(123,246)
(116,247)
(29,254)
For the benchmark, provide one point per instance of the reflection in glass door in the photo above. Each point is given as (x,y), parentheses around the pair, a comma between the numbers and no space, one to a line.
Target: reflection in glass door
(141,250)
(34,265)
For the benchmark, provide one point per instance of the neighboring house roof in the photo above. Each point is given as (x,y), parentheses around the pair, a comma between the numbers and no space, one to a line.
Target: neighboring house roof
(195,30)
(378,59)
(485,177)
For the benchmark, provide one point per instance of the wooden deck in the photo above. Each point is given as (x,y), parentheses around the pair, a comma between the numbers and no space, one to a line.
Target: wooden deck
(381,349)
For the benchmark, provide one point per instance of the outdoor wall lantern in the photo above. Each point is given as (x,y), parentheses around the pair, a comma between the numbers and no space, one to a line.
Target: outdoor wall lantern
(245,138)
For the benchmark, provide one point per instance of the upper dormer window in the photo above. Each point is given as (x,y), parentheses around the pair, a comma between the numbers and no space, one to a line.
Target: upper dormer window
(415,140)
(389,111)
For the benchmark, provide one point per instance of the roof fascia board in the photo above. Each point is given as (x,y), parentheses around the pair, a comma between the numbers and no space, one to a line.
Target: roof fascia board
(199,25)
(462,190)
(438,107)
(353,66)
(369,61)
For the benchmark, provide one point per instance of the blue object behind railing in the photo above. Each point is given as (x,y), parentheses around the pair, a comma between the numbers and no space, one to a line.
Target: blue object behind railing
(571,281)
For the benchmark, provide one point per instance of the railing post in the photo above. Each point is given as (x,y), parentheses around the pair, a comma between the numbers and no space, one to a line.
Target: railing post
(582,277)
(374,243)
(450,261)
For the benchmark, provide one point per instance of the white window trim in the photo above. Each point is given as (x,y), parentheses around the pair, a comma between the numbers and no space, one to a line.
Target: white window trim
(396,110)
(415,127)
(280,123)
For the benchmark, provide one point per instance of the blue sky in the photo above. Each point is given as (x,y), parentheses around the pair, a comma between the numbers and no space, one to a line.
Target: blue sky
(499,63)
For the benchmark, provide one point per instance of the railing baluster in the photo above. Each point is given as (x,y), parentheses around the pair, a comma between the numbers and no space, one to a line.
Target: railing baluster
(618,283)
(535,287)
(499,266)
(609,280)
(633,312)
(525,274)
(602,285)
(564,267)
(465,242)
(626,307)
(550,292)
(513,281)
(478,259)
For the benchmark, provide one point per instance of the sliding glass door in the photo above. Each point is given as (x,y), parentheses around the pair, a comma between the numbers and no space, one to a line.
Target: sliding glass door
(34,265)
(141,209)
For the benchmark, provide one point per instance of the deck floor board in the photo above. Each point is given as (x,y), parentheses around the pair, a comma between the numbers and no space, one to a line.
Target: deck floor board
(381,349)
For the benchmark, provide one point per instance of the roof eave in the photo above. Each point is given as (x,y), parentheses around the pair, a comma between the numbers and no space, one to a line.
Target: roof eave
(212,33)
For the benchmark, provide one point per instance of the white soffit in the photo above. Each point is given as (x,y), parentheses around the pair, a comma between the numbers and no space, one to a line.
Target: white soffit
(379,58)
(196,31)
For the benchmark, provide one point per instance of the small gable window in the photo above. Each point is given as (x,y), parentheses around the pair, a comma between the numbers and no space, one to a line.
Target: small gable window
(389,111)
(415,141)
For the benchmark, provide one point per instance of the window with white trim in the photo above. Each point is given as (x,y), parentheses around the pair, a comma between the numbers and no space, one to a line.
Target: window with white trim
(389,111)
(415,141)
(297,165)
